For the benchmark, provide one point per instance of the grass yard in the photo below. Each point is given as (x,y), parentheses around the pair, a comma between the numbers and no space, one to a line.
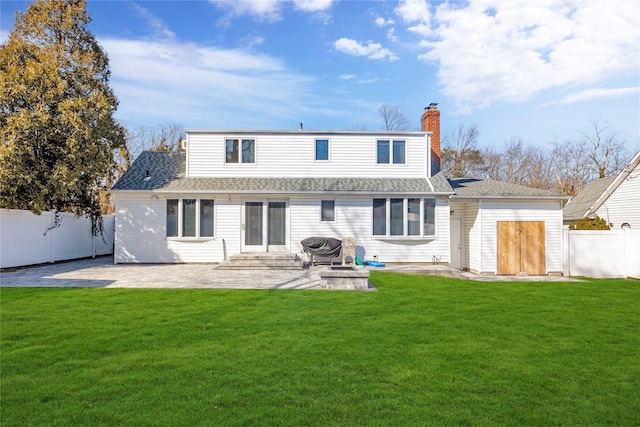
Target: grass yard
(421,351)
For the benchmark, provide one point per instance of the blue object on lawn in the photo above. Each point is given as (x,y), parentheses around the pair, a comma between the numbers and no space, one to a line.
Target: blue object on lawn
(374,263)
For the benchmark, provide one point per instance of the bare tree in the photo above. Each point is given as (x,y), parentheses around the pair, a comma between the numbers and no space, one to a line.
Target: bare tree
(393,117)
(606,149)
(161,137)
(570,165)
(460,157)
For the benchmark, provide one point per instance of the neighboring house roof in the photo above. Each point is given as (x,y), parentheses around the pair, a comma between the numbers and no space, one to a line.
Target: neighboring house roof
(164,172)
(578,207)
(632,166)
(476,188)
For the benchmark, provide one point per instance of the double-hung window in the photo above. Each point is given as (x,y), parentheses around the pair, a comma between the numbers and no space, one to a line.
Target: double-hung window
(404,217)
(322,149)
(328,211)
(391,151)
(240,151)
(190,218)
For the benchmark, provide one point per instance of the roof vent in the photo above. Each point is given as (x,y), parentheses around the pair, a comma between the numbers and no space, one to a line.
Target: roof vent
(148,176)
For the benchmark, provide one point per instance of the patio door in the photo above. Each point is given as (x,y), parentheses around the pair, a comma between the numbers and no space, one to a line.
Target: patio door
(264,226)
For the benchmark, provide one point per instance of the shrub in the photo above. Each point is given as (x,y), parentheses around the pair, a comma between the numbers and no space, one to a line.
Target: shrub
(585,223)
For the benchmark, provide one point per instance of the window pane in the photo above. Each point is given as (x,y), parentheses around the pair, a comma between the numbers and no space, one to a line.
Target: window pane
(322,149)
(413,217)
(379,217)
(232,151)
(429,217)
(189,218)
(383,152)
(397,221)
(253,226)
(172,217)
(248,151)
(277,223)
(206,218)
(398,152)
(328,210)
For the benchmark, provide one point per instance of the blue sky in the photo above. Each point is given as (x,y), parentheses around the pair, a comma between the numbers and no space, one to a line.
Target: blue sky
(540,70)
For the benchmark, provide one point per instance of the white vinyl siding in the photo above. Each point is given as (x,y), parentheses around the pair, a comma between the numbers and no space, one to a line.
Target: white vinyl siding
(550,212)
(293,155)
(354,218)
(141,234)
(623,205)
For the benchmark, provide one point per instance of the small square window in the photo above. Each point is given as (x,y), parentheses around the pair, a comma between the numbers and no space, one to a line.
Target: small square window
(322,149)
(328,211)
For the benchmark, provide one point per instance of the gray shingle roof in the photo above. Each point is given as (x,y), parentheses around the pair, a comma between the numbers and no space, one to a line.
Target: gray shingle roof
(152,170)
(166,173)
(579,205)
(487,188)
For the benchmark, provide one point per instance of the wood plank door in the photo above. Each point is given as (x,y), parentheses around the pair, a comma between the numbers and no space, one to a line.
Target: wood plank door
(521,247)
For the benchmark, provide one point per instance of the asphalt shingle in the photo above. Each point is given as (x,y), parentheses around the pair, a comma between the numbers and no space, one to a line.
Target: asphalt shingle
(579,205)
(476,187)
(164,171)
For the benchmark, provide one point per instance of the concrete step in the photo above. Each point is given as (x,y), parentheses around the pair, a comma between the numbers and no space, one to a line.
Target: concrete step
(261,261)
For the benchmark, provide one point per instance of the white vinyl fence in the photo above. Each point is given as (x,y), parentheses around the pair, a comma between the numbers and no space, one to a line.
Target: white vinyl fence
(27,239)
(610,253)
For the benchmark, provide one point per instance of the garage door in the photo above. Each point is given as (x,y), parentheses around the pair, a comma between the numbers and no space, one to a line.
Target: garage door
(521,247)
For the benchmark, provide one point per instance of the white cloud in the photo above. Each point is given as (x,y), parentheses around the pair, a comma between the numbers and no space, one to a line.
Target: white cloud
(270,10)
(593,94)
(160,30)
(202,85)
(391,35)
(313,5)
(370,50)
(415,12)
(381,22)
(491,50)
(347,76)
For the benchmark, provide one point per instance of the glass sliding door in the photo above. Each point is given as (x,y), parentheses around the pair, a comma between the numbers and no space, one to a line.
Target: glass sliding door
(264,226)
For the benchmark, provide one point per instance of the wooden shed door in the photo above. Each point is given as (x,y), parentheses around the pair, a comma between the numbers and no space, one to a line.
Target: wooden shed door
(521,247)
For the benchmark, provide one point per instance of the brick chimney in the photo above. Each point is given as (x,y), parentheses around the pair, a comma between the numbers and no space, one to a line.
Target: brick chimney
(430,121)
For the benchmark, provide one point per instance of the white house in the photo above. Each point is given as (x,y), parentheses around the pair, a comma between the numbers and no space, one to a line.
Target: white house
(615,199)
(236,191)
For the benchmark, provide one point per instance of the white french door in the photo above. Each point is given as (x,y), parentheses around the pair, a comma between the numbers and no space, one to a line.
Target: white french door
(264,226)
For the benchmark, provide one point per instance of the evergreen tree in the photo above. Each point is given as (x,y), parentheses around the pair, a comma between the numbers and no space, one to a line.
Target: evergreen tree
(57,131)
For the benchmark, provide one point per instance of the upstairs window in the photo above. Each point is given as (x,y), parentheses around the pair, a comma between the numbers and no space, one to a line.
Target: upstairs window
(398,152)
(240,151)
(404,217)
(190,218)
(383,152)
(322,149)
(391,151)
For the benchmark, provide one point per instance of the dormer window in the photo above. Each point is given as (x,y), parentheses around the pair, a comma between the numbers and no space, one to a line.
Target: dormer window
(240,151)
(391,151)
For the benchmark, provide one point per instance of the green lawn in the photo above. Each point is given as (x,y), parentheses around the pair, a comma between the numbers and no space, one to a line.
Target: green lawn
(420,351)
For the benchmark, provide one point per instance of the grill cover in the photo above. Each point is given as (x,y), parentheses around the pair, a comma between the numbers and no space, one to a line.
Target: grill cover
(322,246)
